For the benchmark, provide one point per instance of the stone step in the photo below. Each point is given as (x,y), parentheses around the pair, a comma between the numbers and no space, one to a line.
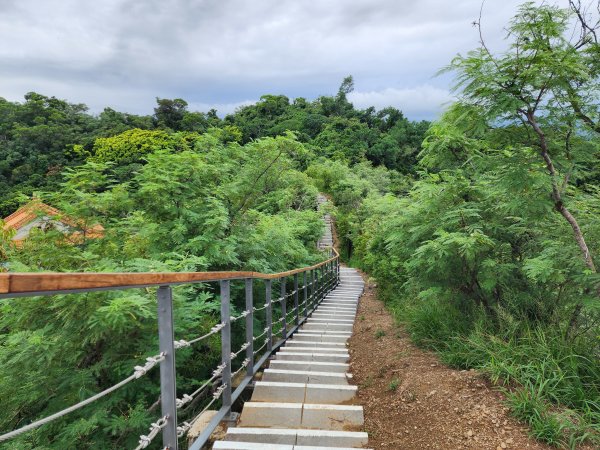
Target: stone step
(297,415)
(305,376)
(309,366)
(288,436)
(279,391)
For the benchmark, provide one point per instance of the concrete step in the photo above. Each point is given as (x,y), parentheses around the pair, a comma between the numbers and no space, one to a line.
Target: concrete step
(326,327)
(309,366)
(349,310)
(329,338)
(343,296)
(232,445)
(328,304)
(279,391)
(297,415)
(340,302)
(290,436)
(323,357)
(293,343)
(307,332)
(306,376)
(341,333)
(323,314)
(295,348)
(329,320)
(329,308)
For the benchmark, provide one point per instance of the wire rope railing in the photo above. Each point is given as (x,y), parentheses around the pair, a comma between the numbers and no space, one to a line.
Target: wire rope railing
(309,286)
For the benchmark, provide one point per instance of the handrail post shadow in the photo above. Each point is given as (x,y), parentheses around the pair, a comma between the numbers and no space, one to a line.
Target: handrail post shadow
(250,327)
(168,392)
(269,313)
(226,346)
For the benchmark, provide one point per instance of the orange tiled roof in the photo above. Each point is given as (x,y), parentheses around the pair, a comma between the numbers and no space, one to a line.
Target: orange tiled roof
(31,211)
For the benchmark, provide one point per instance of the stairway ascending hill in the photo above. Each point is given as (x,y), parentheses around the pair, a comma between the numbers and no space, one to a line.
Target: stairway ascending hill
(304,399)
(327,238)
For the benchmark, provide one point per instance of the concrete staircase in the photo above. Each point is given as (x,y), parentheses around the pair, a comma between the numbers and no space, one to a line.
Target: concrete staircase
(327,238)
(304,399)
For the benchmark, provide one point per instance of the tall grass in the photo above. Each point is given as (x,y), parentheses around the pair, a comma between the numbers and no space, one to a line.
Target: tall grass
(551,383)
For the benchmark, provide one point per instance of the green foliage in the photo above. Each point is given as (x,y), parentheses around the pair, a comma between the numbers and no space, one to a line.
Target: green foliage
(207,206)
(132,145)
(474,254)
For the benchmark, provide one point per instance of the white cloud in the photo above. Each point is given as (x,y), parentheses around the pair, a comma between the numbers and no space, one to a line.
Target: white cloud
(417,102)
(127,52)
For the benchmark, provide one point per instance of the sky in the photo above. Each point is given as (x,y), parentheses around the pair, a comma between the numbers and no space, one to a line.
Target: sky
(226,53)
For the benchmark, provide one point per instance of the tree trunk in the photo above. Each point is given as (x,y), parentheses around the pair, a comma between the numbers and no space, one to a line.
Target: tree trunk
(557,197)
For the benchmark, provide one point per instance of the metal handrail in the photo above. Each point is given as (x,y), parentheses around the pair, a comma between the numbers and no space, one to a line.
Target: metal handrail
(317,281)
(18,284)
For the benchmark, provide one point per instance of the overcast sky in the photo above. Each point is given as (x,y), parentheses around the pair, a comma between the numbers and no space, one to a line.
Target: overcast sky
(224,53)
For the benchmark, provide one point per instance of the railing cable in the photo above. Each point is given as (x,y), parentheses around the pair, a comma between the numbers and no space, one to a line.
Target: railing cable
(214,330)
(184,428)
(139,371)
(155,428)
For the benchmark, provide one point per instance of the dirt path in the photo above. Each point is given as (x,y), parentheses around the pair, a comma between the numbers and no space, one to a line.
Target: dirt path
(413,402)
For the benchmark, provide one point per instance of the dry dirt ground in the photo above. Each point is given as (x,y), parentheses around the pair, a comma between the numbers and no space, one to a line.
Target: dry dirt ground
(412,401)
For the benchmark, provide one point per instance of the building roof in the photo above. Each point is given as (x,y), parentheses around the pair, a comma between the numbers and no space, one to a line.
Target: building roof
(35,208)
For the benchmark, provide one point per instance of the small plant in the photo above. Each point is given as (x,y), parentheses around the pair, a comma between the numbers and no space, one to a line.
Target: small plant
(362,317)
(379,334)
(393,386)
(368,382)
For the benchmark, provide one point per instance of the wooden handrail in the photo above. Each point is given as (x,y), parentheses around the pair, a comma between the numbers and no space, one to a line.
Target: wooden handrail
(48,282)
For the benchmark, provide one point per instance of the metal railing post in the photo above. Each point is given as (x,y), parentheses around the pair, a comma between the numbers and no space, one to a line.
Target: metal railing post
(283,309)
(226,345)
(314,288)
(168,393)
(316,284)
(250,327)
(305,278)
(296,306)
(269,312)
(332,274)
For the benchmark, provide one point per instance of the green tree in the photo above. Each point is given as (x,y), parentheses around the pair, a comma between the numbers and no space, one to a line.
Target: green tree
(542,82)
(170,113)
